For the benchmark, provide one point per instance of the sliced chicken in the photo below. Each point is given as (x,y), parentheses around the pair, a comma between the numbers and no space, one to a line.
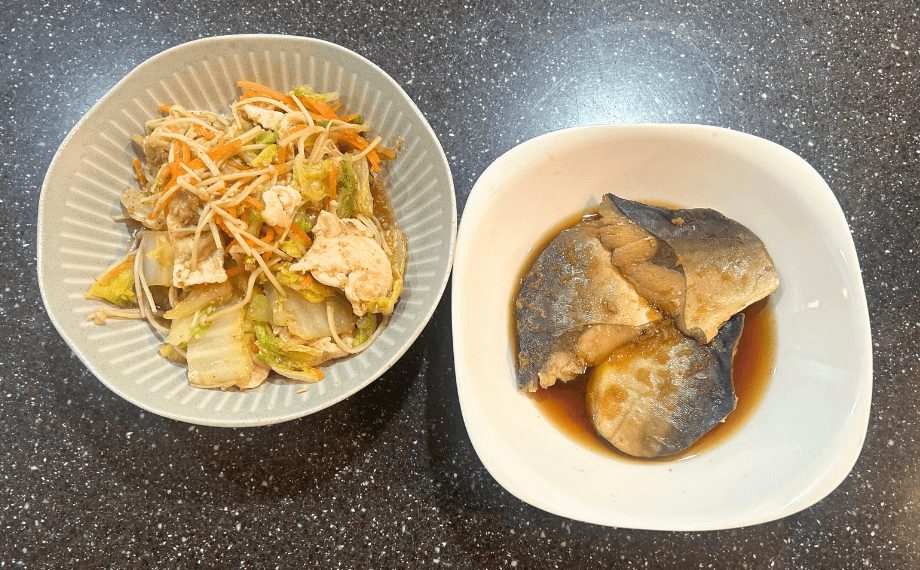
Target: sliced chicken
(266,118)
(281,203)
(345,255)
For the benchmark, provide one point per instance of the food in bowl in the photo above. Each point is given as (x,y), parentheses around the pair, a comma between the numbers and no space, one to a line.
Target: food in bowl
(651,298)
(265,238)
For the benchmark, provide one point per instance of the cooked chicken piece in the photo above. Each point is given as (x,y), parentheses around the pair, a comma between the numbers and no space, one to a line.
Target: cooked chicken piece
(267,118)
(345,255)
(183,216)
(281,203)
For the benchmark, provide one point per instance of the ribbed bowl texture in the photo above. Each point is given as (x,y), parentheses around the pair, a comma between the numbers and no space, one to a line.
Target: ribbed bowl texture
(78,239)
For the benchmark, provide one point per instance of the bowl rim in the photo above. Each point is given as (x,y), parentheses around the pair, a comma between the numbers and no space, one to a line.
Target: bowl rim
(233,422)
(478,200)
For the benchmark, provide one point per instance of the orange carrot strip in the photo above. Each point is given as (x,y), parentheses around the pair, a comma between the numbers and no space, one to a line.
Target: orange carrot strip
(203,132)
(298,231)
(356,141)
(216,153)
(139,174)
(350,118)
(307,280)
(254,203)
(319,106)
(186,152)
(266,91)
(163,108)
(294,130)
(235,270)
(266,256)
(374,159)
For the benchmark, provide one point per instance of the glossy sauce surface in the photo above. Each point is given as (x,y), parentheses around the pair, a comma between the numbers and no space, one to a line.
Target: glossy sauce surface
(564,404)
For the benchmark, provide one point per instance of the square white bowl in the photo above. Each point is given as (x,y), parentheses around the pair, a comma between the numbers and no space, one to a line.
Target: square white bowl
(808,430)
(77,237)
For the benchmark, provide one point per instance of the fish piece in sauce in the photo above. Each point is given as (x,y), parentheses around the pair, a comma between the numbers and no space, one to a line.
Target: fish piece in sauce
(726,267)
(573,308)
(646,261)
(657,395)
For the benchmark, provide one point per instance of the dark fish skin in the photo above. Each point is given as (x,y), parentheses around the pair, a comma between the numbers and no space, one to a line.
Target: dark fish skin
(725,266)
(657,395)
(573,308)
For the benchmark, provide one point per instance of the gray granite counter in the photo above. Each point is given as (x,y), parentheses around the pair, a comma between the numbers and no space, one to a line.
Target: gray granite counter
(388,478)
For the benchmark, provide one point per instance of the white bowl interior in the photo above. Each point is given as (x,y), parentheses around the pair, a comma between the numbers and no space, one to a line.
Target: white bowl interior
(806,434)
(77,237)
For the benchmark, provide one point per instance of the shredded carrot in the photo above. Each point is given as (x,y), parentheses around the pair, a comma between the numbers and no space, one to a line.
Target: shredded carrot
(185,153)
(374,159)
(268,236)
(266,256)
(319,106)
(355,140)
(203,132)
(265,91)
(298,231)
(294,130)
(248,94)
(139,174)
(335,106)
(216,153)
(235,270)
(350,118)
(254,203)
(307,280)
(331,180)
(163,108)
(220,223)
(282,154)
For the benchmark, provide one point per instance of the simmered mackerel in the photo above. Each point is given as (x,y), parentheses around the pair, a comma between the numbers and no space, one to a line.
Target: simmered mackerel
(725,266)
(573,308)
(660,393)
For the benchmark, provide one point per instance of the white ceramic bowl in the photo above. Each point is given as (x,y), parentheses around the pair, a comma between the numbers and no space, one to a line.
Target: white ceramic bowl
(77,237)
(805,436)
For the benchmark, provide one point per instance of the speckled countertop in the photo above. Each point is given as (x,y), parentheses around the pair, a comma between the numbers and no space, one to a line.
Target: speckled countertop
(388,478)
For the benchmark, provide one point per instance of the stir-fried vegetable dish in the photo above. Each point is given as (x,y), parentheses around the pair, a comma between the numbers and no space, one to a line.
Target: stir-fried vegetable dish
(265,239)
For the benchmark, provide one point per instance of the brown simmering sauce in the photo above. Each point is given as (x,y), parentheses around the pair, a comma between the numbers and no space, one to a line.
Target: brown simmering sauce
(564,403)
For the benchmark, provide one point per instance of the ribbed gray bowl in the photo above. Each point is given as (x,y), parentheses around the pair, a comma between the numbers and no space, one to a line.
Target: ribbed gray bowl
(77,238)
